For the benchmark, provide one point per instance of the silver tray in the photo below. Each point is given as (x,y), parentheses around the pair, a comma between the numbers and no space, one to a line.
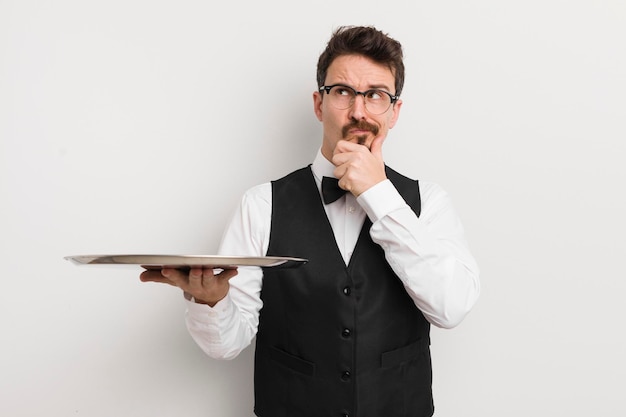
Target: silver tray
(187,261)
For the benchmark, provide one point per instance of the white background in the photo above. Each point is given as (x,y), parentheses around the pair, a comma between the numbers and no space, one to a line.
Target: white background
(136,125)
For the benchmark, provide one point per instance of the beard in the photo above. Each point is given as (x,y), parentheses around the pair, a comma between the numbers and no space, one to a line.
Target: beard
(359,125)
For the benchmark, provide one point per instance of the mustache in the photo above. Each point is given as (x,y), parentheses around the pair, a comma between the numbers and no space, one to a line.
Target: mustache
(360,125)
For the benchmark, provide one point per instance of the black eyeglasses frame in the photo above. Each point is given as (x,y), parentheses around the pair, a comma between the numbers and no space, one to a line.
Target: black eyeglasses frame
(392,98)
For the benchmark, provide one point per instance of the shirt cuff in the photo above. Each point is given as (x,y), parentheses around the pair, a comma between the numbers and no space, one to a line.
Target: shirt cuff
(380,200)
(223,307)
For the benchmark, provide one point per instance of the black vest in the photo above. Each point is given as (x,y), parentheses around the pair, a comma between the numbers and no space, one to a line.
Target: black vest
(336,340)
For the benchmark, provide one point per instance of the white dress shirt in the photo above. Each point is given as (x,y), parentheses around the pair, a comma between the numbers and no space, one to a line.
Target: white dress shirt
(429,254)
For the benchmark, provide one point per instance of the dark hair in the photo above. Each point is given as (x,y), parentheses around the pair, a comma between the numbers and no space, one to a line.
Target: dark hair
(367,41)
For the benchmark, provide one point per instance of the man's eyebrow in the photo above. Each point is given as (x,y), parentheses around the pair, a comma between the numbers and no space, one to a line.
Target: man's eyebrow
(383,87)
(370,87)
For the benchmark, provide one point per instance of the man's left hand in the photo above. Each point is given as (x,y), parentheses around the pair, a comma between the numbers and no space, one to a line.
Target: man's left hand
(359,168)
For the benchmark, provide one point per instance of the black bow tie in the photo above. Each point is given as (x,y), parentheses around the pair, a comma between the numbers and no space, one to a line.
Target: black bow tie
(330,190)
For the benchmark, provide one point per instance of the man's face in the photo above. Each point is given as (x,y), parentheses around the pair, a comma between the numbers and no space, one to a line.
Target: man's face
(356,123)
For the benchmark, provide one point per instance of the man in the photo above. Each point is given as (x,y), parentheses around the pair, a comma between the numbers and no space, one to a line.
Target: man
(347,334)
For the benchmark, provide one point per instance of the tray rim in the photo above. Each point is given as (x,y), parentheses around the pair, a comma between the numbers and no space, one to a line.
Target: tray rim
(186,261)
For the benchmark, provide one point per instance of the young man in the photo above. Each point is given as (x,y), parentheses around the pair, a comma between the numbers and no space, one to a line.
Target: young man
(347,334)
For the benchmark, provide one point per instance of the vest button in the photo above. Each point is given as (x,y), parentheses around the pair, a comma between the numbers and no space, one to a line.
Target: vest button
(347,290)
(345,333)
(345,376)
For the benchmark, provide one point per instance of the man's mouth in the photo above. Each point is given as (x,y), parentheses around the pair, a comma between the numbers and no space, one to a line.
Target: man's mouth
(360,129)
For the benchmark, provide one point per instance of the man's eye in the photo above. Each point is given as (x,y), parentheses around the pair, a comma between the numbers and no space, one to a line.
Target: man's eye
(374,95)
(343,92)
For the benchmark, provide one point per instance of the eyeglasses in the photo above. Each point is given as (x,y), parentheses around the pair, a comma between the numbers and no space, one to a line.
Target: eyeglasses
(342,97)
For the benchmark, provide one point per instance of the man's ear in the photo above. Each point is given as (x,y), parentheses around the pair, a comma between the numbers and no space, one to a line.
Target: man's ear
(396,113)
(317,105)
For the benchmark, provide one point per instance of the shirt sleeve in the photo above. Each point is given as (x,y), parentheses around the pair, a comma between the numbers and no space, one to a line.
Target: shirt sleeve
(429,253)
(226,329)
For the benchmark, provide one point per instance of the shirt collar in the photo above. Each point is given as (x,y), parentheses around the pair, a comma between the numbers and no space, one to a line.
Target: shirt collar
(322,167)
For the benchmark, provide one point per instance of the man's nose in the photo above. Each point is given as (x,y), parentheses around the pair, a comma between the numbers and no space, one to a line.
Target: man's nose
(358,109)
